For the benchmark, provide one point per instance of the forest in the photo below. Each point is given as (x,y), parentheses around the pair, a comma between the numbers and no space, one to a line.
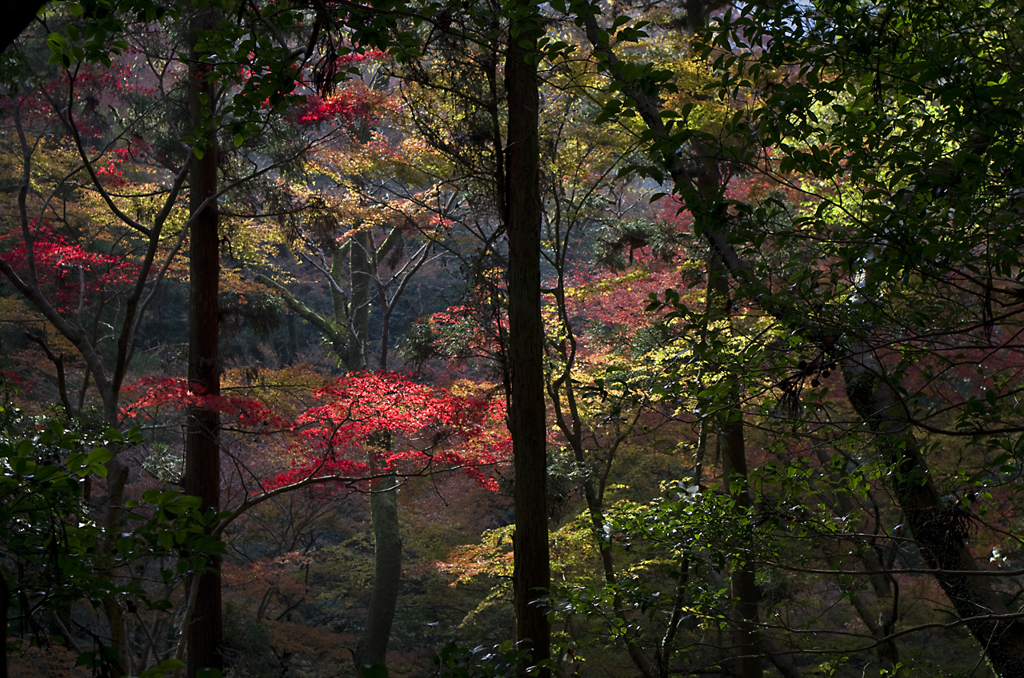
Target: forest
(492,338)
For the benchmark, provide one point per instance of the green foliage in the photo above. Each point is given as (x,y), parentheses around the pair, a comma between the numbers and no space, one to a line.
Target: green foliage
(49,543)
(456,661)
(55,554)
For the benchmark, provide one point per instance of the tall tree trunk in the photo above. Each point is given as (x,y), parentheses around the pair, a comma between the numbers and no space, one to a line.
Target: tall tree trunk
(202,450)
(731,443)
(372,647)
(744,586)
(359,301)
(527,420)
(387,574)
(292,350)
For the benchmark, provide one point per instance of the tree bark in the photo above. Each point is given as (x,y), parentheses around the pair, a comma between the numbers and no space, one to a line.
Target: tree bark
(359,302)
(387,574)
(202,445)
(527,420)
(745,595)
(5,604)
(731,443)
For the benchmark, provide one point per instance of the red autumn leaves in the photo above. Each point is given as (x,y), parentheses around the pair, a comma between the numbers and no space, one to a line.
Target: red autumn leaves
(73,274)
(362,424)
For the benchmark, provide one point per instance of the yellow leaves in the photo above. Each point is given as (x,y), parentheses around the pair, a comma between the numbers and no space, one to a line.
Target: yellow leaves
(377,159)
(572,546)
(599,286)
(233,282)
(417,153)
(287,391)
(492,557)
(464,388)
(15,309)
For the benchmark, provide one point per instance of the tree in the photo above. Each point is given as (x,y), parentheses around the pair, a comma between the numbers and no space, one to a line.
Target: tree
(202,447)
(527,417)
(513,180)
(920,202)
(356,235)
(55,555)
(890,205)
(88,37)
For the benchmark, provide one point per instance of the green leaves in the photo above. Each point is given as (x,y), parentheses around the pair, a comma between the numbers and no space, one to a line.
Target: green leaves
(457,661)
(55,554)
(63,51)
(83,465)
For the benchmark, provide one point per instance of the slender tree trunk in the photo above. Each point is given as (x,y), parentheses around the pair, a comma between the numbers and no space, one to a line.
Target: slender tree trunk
(880,618)
(372,647)
(387,574)
(526,341)
(293,339)
(340,333)
(744,586)
(734,477)
(572,429)
(359,303)
(202,446)
(117,478)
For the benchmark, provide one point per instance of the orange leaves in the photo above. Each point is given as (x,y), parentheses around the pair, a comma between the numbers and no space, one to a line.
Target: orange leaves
(492,557)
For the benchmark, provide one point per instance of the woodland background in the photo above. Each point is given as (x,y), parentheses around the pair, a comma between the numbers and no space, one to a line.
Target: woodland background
(496,337)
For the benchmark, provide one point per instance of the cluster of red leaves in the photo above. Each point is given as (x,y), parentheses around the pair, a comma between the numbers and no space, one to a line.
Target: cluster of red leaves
(340,437)
(428,428)
(618,300)
(363,57)
(352,102)
(111,175)
(16,379)
(436,221)
(58,263)
(157,392)
(336,108)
